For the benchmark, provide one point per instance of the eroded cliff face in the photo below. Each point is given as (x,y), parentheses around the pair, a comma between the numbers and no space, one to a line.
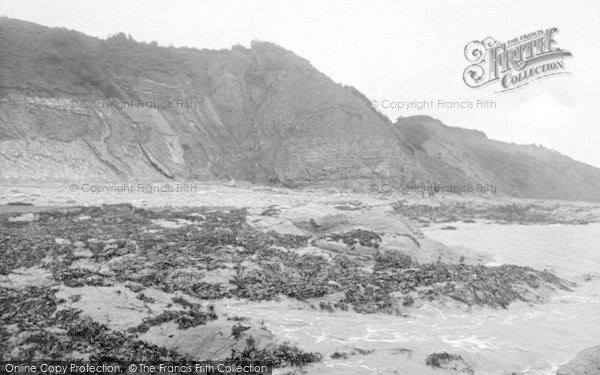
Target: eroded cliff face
(73,107)
(463,156)
(259,114)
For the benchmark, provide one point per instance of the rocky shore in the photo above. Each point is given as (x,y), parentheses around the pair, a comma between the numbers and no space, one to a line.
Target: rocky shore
(586,362)
(167,267)
(499,211)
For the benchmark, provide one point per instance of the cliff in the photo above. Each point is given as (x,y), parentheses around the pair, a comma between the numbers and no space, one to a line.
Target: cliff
(73,107)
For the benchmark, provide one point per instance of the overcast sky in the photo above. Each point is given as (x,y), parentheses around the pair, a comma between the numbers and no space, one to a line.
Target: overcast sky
(389,50)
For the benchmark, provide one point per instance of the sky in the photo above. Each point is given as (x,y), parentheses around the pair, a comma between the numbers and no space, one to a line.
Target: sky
(392,51)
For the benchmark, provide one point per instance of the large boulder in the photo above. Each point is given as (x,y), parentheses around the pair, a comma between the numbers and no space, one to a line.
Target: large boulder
(586,362)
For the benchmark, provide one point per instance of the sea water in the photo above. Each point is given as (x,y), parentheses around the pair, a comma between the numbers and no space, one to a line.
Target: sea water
(531,339)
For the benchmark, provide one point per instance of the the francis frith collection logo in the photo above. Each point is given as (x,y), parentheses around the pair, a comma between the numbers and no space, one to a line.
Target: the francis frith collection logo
(515,63)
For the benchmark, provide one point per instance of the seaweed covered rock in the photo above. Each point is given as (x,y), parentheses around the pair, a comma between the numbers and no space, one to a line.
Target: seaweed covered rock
(183,318)
(363,237)
(391,259)
(41,330)
(282,355)
(212,253)
(449,361)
